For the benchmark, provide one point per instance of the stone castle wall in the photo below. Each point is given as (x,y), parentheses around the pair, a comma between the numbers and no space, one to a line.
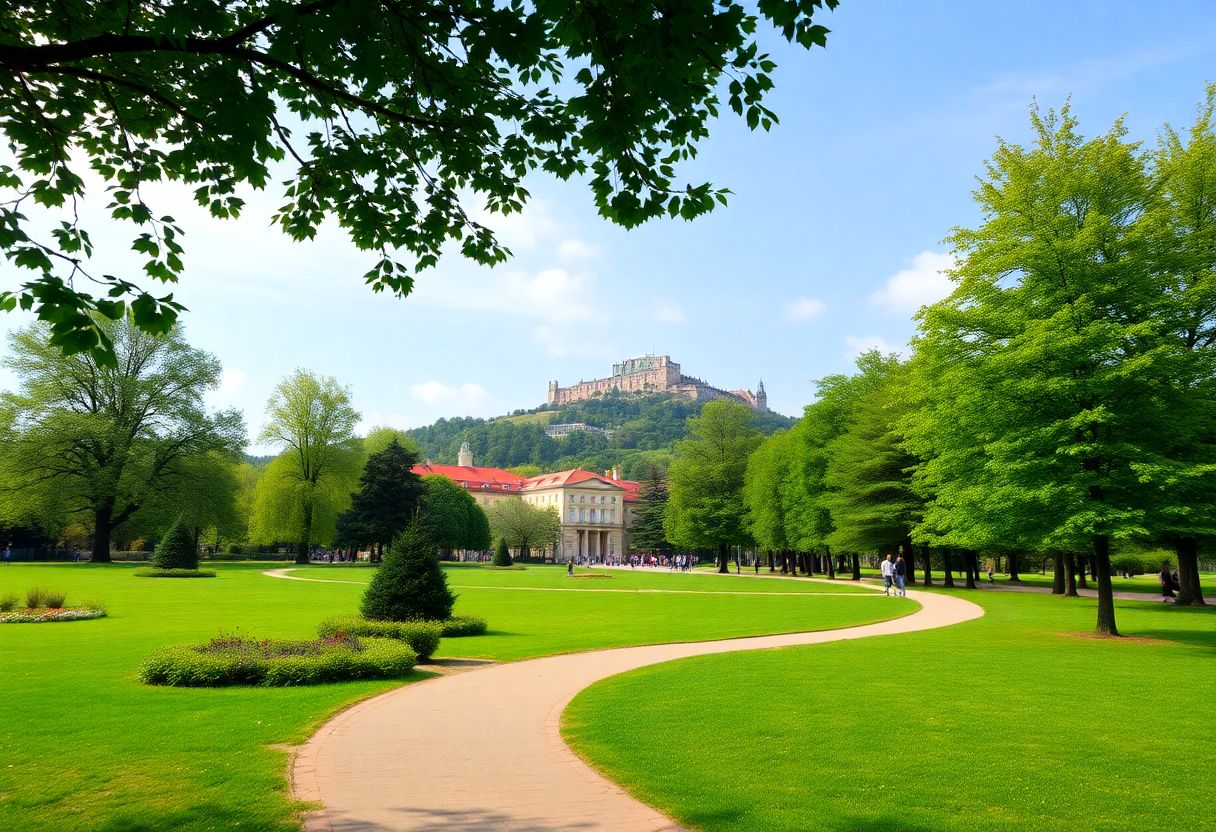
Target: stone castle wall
(651,374)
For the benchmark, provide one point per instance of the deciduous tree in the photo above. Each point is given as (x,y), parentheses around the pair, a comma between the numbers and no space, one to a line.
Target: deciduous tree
(524,526)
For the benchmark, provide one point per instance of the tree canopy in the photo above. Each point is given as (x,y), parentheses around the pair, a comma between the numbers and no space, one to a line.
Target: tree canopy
(397,119)
(451,516)
(524,526)
(387,499)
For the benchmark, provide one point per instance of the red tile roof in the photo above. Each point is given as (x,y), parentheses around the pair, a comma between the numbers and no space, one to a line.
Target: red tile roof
(474,478)
(576,475)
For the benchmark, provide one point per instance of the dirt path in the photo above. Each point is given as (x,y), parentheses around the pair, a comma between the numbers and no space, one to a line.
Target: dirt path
(482,750)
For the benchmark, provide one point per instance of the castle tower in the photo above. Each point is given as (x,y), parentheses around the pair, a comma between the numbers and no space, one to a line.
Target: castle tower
(761,398)
(552,392)
(465,457)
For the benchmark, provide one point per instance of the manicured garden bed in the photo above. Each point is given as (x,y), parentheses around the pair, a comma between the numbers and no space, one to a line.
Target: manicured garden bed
(236,660)
(158,572)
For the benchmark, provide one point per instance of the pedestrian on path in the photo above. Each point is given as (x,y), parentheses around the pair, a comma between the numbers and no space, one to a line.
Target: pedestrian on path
(888,574)
(570,568)
(901,571)
(8,554)
(1167,582)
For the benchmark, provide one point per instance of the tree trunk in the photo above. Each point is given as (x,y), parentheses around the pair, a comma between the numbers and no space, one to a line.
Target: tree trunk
(1190,593)
(969,561)
(723,559)
(772,567)
(305,536)
(949,581)
(103,517)
(1013,567)
(830,561)
(1057,580)
(924,553)
(856,567)
(1082,561)
(809,560)
(1106,595)
(905,549)
(1070,576)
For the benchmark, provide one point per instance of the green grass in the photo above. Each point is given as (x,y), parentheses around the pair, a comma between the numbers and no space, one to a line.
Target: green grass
(84,745)
(1015,721)
(1147,584)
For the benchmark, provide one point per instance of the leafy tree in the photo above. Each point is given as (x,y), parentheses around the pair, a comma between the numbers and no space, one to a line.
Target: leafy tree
(1182,223)
(647,532)
(524,526)
(409,585)
(177,549)
(207,502)
(767,470)
(387,116)
(280,495)
(388,496)
(452,517)
(502,554)
(85,438)
(868,476)
(378,439)
(1047,370)
(705,507)
(312,419)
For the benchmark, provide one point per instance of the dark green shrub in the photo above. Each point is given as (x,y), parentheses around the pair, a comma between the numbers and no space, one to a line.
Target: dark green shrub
(53,599)
(277,663)
(232,549)
(176,549)
(157,572)
(459,626)
(409,585)
(8,602)
(423,636)
(34,596)
(502,555)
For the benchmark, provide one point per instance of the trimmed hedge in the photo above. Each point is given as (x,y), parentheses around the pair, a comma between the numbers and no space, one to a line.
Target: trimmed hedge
(459,626)
(301,663)
(422,636)
(157,572)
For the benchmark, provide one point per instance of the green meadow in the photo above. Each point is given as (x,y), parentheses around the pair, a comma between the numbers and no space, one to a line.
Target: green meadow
(84,745)
(1016,721)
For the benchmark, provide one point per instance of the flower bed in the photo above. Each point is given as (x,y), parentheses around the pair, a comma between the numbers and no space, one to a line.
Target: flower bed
(48,616)
(234,660)
(422,636)
(157,572)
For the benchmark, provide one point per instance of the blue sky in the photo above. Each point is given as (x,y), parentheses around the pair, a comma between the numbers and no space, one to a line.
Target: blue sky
(832,240)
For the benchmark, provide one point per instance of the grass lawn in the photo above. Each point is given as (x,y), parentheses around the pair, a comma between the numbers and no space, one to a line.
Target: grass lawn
(84,745)
(1015,721)
(1147,584)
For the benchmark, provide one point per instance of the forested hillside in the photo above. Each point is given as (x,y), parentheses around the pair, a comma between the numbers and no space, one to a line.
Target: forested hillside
(644,430)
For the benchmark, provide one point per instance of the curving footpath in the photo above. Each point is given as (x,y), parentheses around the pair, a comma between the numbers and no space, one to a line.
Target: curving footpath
(482,750)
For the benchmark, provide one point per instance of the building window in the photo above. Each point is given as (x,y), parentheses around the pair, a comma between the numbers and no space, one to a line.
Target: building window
(582,515)
(506,487)
(592,515)
(464,483)
(571,515)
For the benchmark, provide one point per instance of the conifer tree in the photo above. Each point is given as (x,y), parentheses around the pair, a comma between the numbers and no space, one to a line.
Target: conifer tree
(177,550)
(409,585)
(647,532)
(502,555)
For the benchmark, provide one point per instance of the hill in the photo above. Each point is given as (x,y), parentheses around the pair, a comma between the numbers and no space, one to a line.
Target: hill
(645,429)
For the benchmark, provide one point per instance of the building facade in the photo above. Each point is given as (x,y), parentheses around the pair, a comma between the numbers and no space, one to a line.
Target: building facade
(654,374)
(596,511)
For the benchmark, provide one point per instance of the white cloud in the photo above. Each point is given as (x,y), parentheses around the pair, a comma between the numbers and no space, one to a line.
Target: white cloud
(522,229)
(231,382)
(857,344)
(910,289)
(670,314)
(803,309)
(573,249)
(465,398)
(551,295)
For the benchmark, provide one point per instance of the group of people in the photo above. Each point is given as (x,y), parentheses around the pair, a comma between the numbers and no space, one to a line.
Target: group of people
(1168,579)
(894,575)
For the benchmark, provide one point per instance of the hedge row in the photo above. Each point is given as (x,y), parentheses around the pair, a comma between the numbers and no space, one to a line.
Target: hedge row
(422,636)
(157,572)
(190,666)
(459,626)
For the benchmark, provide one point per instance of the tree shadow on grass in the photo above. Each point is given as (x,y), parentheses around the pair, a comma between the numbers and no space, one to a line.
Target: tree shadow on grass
(216,817)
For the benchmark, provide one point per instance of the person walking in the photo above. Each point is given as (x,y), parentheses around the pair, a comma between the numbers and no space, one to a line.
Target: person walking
(8,554)
(570,568)
(901,571)
(1167,583)
(888,574)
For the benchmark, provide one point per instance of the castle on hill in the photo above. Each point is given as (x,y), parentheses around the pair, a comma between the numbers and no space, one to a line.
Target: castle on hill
(654,374)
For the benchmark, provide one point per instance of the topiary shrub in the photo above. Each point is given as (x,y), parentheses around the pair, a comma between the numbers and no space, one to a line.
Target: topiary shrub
(409,585)
(277,663)
(423,636)
(502,555)
(176,549)
(459,626)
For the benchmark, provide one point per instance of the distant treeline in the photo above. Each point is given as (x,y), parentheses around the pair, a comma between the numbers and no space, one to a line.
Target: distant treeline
(644,430)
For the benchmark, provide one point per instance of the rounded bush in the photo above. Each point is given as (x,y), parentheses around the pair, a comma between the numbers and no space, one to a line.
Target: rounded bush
(423,636)
(157,572)
(459,626)
(277,663)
